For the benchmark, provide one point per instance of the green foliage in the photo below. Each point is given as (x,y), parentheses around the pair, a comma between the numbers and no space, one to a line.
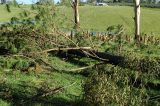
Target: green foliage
(115,30)
(8,5)
(8,8)
(65,3)
(110,85)
(4,103)
(45,2)
(16,40)
(129,83)
(14,63)
(143,64)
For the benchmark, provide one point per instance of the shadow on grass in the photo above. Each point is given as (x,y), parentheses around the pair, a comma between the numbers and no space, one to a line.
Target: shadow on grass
(71,58)
(53,102)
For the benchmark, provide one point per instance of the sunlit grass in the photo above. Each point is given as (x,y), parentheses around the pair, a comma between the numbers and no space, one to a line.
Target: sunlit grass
(99,18)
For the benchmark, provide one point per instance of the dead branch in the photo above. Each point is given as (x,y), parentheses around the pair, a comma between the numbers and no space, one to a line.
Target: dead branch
(65,49)
(55,90)
(51,91)
(80,69)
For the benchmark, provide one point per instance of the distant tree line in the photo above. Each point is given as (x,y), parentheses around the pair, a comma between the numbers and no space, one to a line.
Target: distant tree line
(45,2)
(121,1)
(67,2)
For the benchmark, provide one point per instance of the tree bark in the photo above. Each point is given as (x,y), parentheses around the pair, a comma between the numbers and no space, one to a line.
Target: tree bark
(76,13)
(137,19)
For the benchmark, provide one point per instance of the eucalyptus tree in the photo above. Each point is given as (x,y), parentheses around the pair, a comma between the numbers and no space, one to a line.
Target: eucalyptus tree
(137,18)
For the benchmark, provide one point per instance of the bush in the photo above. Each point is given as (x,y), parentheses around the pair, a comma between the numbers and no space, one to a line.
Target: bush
(14,63)
(110,85)
(132,82)
(4,103)
(145,64)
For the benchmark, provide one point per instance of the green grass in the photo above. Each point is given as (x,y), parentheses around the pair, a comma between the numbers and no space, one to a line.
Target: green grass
(99,18)
(23,86)
(5,15)
(71,64)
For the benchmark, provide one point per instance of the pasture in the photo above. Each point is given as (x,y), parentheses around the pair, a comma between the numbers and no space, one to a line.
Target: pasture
(99,18)
(6,16)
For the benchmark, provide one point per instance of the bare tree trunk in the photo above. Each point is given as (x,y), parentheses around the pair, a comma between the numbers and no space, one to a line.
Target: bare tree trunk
(137,19)
(75,7)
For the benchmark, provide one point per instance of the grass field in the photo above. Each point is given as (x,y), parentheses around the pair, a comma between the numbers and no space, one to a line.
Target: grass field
(99,18)
(5,16)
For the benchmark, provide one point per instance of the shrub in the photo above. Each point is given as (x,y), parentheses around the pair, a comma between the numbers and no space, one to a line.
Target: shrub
(145,64)
(4,103)
(12,63)
(110,85)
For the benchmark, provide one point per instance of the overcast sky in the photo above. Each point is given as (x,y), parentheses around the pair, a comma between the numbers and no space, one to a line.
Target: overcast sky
(31,1)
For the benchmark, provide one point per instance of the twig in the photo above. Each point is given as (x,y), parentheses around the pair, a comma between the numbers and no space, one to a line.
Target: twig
(55,90)
(155,97)
(92,54)
(82,68)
